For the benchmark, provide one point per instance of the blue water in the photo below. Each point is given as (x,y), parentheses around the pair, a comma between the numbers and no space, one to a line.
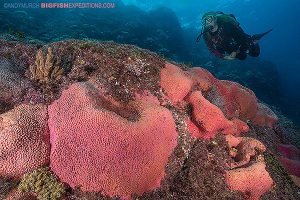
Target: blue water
(282,46)
(172,31)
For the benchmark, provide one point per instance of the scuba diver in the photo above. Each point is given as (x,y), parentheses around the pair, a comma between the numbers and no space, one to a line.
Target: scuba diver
(226,39)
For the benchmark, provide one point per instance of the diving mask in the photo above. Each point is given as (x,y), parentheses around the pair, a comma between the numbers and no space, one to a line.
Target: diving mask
(208,22)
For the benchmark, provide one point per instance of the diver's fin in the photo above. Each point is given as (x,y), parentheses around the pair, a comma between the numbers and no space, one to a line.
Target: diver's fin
(257,37)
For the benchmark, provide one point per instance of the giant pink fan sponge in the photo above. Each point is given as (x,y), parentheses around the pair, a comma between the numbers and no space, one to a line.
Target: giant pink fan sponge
(289,151)
(99,150)
(207,115)
(24,140)
(177,83)
(208,119)
(292,166)
(224,104)
(238,101)
(290,158)
(253,180)
(264,116)
(250,178)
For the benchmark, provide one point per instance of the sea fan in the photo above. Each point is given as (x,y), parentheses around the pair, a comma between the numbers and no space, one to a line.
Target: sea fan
(46,72)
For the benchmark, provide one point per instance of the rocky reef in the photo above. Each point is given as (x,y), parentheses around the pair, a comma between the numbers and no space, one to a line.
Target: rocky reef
(119,122)
(158,30)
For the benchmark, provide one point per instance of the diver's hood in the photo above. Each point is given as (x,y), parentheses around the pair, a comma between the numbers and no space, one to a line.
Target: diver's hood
(208,14)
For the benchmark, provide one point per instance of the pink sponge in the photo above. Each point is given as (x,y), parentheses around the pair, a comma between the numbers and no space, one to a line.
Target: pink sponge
(175,82)
(250,178)
(24,140)
(238,101)
(225,105)
(265,116)
(289,151)
(245,148)
(290,158)
(96,148)
(208,119)
(254,180)
(208,116)
(292,166)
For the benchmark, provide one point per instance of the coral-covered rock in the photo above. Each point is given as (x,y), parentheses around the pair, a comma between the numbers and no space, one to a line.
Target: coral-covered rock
(21,53)
(24,140)
(115,131)
(253,180)
(12,85)
(99,148)
(244,149)
(15,194)
(296,180)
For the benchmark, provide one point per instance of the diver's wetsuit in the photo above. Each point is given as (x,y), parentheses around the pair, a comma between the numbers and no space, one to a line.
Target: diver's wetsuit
(230,38)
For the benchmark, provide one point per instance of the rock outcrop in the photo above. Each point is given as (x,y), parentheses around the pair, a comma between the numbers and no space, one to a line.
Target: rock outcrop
(126,124)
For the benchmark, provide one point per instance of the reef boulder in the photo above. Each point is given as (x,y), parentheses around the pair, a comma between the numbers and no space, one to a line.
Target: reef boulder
(12,84)
(125,122)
